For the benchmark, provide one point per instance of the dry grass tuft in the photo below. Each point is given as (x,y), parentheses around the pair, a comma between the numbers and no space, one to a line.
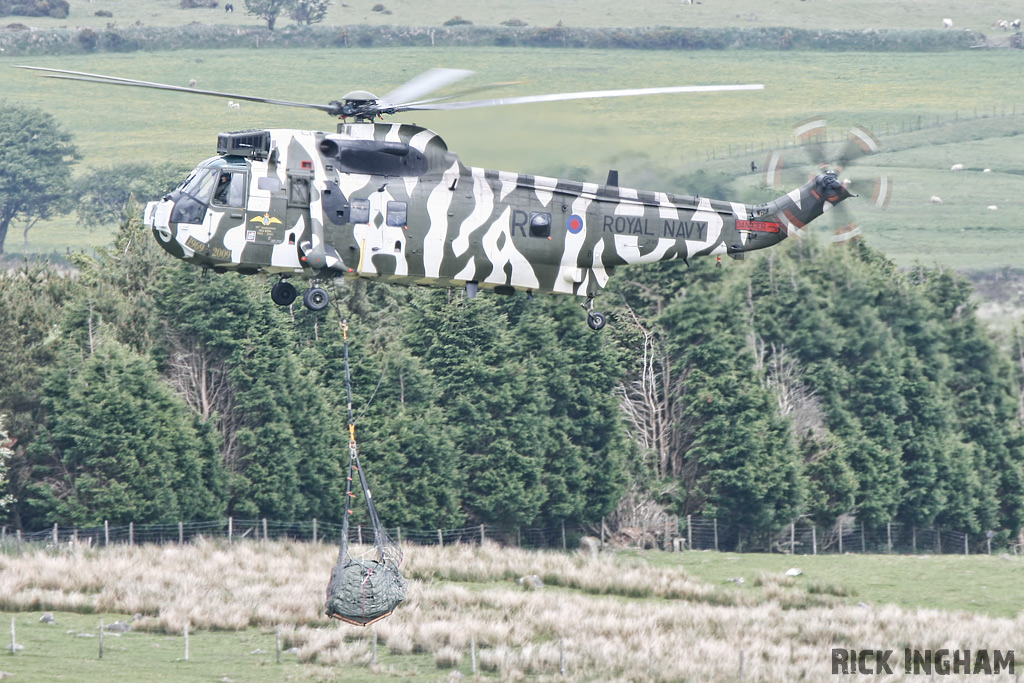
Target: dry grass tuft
(609,618)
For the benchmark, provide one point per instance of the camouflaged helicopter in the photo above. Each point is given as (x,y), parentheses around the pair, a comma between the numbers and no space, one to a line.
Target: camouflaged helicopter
(389,201)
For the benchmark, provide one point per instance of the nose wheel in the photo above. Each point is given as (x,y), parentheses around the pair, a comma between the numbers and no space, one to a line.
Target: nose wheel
(283,293)
(315,298)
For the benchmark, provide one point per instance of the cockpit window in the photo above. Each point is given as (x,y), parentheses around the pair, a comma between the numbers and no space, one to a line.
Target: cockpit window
(200,184)
(230,189)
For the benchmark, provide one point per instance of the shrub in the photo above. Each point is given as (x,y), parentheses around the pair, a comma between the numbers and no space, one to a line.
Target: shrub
(513,22)
(457,21)
(58,9)
(87,39)
(104,13)
(378,7)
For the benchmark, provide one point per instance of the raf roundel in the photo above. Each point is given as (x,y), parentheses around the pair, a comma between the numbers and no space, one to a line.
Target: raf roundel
(574,224)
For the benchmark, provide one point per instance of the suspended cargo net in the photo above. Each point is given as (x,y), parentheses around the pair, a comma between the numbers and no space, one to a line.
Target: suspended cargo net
(365,585)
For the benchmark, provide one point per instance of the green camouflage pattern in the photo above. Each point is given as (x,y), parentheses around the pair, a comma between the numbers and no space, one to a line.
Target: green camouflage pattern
(389,201)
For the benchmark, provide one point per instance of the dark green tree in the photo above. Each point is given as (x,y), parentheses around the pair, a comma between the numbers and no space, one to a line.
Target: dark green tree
(487,393)
(36,155)
(309,12)
(31,301)
(118,445)
(269,10)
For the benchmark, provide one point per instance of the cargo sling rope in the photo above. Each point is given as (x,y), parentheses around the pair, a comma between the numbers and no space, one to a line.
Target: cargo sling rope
(369,587)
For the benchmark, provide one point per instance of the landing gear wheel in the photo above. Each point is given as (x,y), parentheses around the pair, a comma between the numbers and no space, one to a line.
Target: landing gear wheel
(596,320)
(315,298)
(283,293)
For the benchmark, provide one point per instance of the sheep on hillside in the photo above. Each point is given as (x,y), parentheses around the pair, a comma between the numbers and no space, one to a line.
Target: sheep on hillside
(935,200)
(956,167)
(947,23)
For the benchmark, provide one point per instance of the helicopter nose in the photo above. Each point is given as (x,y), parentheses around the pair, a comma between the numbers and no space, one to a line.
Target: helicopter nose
(157,218)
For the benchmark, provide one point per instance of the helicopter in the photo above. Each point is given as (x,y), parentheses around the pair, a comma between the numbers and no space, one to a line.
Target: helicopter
(390,201)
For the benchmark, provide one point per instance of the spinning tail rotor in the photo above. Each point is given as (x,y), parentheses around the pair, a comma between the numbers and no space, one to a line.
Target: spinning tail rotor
(831,165)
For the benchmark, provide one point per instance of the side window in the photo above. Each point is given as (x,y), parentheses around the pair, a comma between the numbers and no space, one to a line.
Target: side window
(398,212)
(359,211)
(230,189)
(540,225)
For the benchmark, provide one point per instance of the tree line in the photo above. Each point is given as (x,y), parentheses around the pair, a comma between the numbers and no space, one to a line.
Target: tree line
(807,382)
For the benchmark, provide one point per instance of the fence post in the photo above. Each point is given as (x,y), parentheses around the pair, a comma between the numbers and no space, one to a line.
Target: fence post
(965,543)
(563,535)
(314,530)
(55,533)
(667,545)
(19,541)
(231,529)
(482,537)
(888,536)
(814,539)
(186,641)
(131,533)
(440,538)
(840,536)
(3,535)
(399,535)
(14,642)
(792,538)
(938,540)
(181,533)
(602,532)
(715,521)
(106,533)
(359,534)
(863,545)
(913,538)
(277,639)
(264,529)
(689,531)
(101,639)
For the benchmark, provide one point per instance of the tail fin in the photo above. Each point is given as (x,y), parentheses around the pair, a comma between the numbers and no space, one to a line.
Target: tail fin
(796,209)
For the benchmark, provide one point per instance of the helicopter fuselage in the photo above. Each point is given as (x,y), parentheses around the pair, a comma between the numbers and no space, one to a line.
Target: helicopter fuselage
(390,201)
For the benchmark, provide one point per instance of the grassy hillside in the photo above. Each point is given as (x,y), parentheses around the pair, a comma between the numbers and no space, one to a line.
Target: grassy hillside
(931,111)
(614,617)
(919,14)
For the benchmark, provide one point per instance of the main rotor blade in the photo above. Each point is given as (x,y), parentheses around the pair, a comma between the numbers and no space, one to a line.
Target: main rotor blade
(556,97)
(114,80)
(426,82)
(463,93)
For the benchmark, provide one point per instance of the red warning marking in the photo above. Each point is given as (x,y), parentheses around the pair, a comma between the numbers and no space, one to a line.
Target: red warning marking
(757,226)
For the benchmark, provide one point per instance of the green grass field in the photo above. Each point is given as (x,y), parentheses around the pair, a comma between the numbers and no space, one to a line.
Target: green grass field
(623,611)
(931,111)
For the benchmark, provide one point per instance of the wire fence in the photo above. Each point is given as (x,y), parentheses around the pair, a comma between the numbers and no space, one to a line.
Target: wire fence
(882,128)
(671,533)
